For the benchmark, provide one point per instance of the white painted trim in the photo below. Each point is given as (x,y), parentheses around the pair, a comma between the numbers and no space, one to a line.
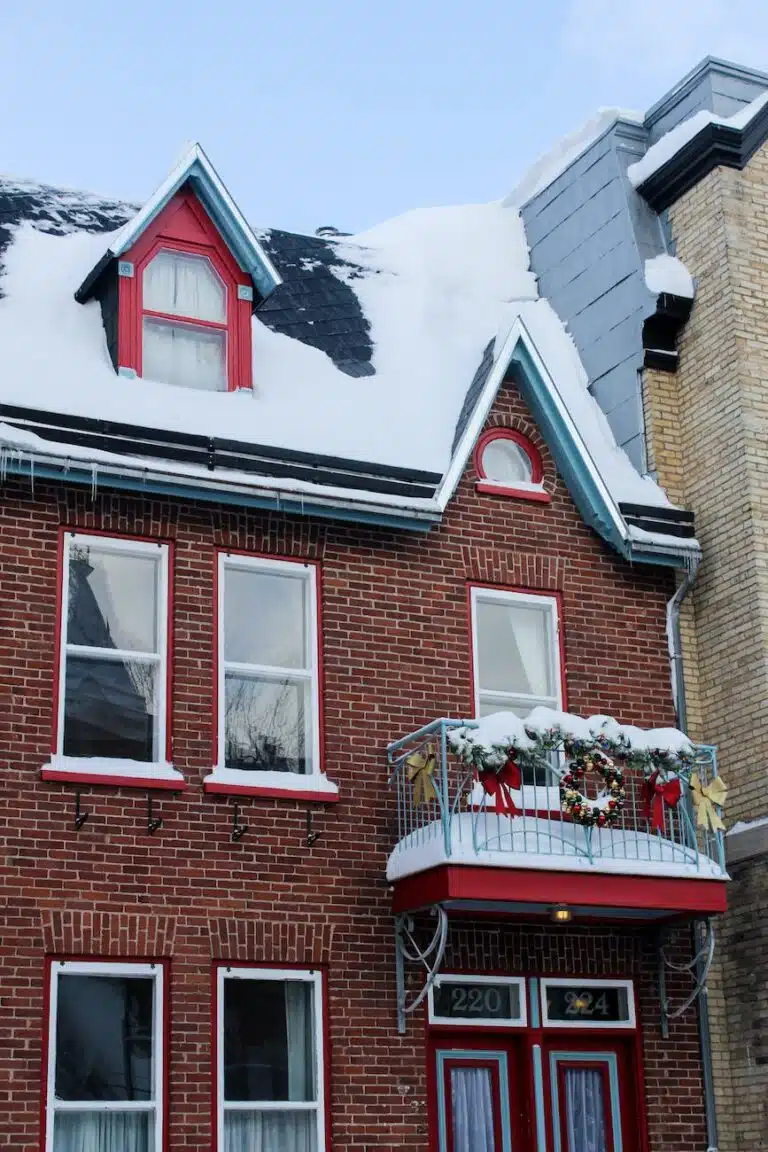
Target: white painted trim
(98,766)
(576,982)
(503,596)
(144,548)
(285,781)
(294,570)
(279,975)
(97,968)
(136,225)
(520,1021)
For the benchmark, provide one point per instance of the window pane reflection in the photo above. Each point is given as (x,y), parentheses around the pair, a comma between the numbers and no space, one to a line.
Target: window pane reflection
(267,724)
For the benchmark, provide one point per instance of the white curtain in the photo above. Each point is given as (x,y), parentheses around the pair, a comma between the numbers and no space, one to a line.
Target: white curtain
(298,1018)
(103,1132)
(184,355)
(514,648)
(585,1110)
(472,1110)
(269,1132)
(182,285)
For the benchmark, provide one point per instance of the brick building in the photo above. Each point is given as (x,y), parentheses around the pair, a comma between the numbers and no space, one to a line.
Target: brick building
(270,506)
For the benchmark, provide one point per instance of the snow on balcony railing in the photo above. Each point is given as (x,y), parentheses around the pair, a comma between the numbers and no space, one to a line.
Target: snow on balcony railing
(445,814)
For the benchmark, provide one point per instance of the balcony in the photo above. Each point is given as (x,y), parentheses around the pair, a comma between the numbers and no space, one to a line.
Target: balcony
(456,849)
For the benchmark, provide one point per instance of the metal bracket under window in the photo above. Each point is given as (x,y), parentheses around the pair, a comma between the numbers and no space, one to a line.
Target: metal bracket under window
(153,823)
(238,830)
(431,957)
(80,815)
(697,968)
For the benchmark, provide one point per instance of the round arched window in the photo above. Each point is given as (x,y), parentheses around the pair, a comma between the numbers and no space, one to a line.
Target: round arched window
(507,462)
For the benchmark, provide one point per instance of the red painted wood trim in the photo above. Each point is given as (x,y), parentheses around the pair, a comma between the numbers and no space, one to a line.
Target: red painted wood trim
(488,488)
(275,793)
(173,230)
(106,778)
(540,886)
(530,449)
(49,961)
(58,640)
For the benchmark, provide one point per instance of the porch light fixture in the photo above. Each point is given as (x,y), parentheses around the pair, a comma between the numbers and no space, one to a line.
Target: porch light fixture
(561,914)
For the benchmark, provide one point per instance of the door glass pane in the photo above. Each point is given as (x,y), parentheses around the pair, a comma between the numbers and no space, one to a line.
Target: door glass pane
(585,1110)
(265,619)
(269,1041)
(104,1132)
(266,724)
(185,355)
(183,285)
(472,1110)
(270,1131)
(515,643)
(112,599)
(110,708)
(104,1038)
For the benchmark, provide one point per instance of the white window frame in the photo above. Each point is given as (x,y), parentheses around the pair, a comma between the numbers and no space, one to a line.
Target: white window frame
(308,574)
(125,546)
(279,975)
(517,699)
(520,1021)
(587,984)
(104,968)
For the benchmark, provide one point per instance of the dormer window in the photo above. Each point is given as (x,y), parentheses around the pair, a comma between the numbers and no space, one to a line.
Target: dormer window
(185,303)
(507,463)
(184,328)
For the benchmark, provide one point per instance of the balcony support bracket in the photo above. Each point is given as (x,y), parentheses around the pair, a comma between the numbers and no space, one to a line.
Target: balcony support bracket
(697,968)
(430,958)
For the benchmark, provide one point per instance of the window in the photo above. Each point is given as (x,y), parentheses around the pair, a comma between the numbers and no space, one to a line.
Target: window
(270,1067)
(507,463)
(184,334)
(105,1058)
(268,681)
(112,677)
(516,651)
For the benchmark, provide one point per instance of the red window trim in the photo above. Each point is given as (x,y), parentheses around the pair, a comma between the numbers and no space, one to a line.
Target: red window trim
(322,970)
(173,231)
(595,1065)
(493,1067)
(490,487)
(127,782)
(161,962)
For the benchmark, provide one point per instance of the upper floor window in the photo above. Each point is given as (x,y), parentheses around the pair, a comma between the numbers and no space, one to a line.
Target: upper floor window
(268,666)
(516,648)
(184,330)
(105,1057)
(113,668)
(508,463)
(270,1070)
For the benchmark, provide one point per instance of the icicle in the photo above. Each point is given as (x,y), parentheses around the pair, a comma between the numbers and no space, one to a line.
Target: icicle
(32,473)
(94,481)
(3,463)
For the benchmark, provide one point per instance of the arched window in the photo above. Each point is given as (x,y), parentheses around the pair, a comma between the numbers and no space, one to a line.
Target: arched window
(184,322)
(508,463)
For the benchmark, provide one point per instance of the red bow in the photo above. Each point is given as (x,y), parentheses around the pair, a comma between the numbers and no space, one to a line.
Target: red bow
(500,785)
(656,796)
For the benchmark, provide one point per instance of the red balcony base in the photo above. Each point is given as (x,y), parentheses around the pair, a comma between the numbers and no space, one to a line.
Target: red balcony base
(533,892)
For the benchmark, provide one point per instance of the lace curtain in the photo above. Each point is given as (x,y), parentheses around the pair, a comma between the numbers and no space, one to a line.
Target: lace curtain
(472,1110)
(103,1132)
(585,1110)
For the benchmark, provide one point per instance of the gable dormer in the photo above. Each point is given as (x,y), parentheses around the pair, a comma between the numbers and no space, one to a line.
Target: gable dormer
(178,283)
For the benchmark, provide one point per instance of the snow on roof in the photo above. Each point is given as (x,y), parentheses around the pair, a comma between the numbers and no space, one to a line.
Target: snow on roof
(671,142)
(435,285)
(556,159)
(665,273)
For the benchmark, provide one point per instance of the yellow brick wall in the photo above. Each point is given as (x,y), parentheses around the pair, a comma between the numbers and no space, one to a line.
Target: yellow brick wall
(707,428)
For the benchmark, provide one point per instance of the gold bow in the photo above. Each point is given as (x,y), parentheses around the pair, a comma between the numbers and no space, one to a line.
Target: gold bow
(421,768)
(705,797)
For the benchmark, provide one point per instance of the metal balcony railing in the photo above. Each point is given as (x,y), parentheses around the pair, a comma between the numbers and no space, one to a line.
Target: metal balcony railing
(458,821)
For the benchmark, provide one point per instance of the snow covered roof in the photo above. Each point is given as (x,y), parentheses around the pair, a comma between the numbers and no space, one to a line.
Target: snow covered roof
(363,343)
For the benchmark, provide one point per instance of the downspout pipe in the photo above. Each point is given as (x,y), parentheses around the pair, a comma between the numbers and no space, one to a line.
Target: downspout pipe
(675,646)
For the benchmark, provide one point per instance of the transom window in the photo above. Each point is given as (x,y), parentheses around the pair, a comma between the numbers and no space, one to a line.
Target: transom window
(516,651)
(268,682)
(270,1060)
(184,332)
(105,1057)
(112,681)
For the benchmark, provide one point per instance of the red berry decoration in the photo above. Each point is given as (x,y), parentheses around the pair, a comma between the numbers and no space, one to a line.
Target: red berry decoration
(572,798)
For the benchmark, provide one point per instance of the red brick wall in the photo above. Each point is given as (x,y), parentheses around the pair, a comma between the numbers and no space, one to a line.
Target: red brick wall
(396,653)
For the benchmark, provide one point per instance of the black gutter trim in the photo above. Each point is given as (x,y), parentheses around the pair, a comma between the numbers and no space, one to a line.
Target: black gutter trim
(715,145)
(652,512)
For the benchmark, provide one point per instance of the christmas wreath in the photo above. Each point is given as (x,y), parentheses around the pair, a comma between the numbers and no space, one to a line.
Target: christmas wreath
(605,810)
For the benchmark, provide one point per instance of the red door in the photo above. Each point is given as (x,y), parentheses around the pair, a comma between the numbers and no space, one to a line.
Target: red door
(592,1096)
(478,1096)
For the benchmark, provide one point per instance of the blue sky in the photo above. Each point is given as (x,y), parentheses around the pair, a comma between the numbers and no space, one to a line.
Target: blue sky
(339,112)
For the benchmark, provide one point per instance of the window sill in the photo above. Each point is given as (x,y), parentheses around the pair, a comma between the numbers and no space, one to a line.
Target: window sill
(118,773)
(523,492)
(278,785)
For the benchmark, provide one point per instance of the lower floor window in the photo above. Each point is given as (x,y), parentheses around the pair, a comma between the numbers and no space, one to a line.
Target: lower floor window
(270,1061)
(104,1084)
